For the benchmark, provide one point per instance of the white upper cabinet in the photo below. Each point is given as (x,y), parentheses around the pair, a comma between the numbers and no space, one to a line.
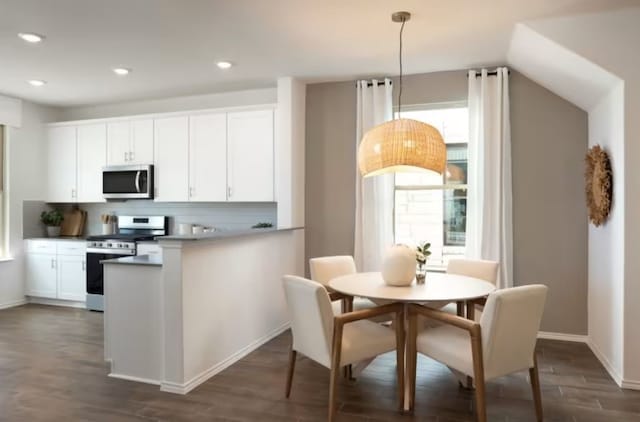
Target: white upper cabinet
(130,142)
(250,160)
(208,158)
(61,181)
(141,142)
(118,143)
(171,152)
(92,157)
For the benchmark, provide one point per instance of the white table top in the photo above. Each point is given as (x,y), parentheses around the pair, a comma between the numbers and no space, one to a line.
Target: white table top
(438,287)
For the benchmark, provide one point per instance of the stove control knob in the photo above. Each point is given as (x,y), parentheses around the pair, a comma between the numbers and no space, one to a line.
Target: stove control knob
(120,245)
(109,245)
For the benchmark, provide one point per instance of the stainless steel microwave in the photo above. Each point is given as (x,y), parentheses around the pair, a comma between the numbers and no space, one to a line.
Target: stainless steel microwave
(127,182)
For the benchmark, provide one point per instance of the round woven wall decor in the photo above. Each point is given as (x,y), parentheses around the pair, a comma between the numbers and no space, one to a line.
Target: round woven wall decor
(599,185)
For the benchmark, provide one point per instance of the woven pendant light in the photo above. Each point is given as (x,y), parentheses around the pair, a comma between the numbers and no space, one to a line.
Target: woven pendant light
(401,144)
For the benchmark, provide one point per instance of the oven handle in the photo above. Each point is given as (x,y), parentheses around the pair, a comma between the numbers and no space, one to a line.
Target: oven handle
(138,181)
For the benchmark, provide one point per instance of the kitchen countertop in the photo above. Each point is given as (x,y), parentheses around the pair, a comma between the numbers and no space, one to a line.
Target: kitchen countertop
(153,260)
(67,238)
(224,234)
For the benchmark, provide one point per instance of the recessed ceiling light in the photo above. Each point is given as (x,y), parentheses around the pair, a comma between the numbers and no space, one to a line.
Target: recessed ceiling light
(121,71)
(224,65)
(37,82)
(31,37)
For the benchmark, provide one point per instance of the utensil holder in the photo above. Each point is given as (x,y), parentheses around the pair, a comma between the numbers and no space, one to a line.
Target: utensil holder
(107,228)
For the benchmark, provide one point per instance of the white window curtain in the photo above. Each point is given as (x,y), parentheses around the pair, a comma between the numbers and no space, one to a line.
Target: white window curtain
(489,214)
(374,195)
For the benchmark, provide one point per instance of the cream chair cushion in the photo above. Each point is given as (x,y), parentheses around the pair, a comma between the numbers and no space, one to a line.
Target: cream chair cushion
(509,326)
(312,326)
(476,268)
(325,268)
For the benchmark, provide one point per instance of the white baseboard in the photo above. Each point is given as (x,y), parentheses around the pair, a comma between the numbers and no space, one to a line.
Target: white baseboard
(136,379)
(577,338)
(176,388)
(13,304)
(630,385)
(57,302)
(605,362)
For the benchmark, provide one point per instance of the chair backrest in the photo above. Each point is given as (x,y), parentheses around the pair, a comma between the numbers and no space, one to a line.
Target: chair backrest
(485,270)
(311,318)
(510,324)
(325,268)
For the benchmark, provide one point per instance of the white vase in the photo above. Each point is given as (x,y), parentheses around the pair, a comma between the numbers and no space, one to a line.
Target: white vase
(399,266)
(53,231)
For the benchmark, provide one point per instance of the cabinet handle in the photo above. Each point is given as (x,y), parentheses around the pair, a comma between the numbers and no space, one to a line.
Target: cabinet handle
(131,156)
(52,263)
(125,156)
(191,192)
(229,192)
(73,193)
(83,266)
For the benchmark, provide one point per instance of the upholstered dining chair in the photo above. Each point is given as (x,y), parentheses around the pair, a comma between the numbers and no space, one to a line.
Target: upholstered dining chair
(477,268)
(325,268)
(502,342)
(338,340)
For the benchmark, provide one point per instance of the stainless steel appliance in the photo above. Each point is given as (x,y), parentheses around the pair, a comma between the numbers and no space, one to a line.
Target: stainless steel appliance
(131,229)
(127,182)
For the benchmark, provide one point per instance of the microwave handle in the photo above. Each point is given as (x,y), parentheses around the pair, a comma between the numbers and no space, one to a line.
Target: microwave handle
(138,181)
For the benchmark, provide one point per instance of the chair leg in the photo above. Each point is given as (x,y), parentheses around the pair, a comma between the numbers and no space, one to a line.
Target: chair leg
(412,357)
(400,355)
(535,388)
(470,314)
(335,370)
(292,366)
(478,374)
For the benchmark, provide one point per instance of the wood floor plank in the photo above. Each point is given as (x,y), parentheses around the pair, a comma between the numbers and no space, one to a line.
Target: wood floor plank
(51,369)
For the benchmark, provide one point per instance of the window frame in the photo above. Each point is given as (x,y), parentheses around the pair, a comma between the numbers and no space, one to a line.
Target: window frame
(444,186)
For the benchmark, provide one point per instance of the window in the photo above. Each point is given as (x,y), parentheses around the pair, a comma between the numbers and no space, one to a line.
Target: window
(430,207)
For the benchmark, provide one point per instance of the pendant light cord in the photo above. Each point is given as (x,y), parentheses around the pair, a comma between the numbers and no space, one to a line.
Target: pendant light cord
(400,60)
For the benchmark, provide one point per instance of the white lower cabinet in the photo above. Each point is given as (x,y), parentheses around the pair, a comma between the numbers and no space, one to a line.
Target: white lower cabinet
(41,275)
(56,269)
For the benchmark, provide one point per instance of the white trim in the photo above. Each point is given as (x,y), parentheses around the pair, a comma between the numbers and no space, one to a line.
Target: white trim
(135,379)
(176,388)
(630,385)
(605,362)
(432,106)
(577,338)
(264,106)
(56,302)
(7,259)
(13,304)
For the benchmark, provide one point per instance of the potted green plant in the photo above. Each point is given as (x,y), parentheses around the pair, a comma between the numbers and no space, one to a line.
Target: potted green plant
(422,255)
(52,219)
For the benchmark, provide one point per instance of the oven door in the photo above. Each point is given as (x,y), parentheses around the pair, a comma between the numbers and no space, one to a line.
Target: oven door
(95,272)
(127,182)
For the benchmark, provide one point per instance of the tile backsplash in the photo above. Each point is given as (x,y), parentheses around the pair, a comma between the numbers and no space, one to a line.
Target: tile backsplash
(222,216)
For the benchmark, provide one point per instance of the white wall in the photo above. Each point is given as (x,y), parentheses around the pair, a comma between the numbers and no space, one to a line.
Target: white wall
(606,243)
(193,102)
(26,160)
(610,41)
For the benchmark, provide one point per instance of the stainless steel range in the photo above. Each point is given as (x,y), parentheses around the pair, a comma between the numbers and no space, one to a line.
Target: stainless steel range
(131,229)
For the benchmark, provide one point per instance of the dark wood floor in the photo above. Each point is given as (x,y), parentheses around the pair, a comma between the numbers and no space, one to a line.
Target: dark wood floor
(51,369)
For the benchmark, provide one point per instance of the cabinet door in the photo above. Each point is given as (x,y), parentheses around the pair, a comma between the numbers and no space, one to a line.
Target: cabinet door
(208,158)
(250,156)
(61,181)
(171,151)
(92,156)
(141,142)
(41,275)
(118,143)
(71,277)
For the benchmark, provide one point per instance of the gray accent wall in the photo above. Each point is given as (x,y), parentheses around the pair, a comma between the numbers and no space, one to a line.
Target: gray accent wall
(549,141)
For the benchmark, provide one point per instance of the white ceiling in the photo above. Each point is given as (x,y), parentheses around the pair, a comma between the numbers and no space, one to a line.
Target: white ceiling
(172,45)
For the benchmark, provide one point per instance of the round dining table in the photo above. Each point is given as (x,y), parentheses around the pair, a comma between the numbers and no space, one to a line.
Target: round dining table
(437,290)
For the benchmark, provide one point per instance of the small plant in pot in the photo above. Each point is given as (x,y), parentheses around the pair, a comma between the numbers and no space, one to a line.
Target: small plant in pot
(422,255)
(52,219)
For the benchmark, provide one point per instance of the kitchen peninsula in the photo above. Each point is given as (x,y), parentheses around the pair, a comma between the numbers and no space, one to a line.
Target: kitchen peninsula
(210,300)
